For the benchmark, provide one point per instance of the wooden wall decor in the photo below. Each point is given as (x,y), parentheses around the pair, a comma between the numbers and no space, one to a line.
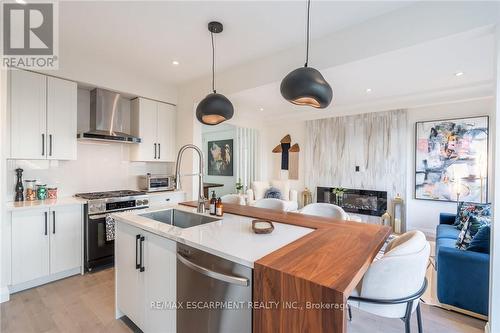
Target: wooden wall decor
(289,156)
(293,162)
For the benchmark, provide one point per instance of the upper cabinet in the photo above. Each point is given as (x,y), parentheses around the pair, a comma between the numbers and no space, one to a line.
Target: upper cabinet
(154,123)
(43,117)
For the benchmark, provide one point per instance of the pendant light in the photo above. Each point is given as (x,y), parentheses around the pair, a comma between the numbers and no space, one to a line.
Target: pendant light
(214,108)
(306,85)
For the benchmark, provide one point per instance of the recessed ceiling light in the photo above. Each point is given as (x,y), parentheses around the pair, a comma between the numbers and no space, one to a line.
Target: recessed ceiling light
(459,73)
(261,109)
(368,90)
(22,2)
(175,63)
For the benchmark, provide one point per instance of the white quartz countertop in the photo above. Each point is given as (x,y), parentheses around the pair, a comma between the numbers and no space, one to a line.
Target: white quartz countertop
(231,237)
(19,205)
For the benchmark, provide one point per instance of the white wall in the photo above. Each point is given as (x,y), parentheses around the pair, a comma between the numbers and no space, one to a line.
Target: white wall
(221,132)
(421,214)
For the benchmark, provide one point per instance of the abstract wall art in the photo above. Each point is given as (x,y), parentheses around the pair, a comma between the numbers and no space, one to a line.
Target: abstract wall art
(220,158)
(451,159)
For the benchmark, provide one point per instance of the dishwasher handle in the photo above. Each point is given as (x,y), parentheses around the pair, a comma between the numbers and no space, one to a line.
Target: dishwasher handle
(215,275)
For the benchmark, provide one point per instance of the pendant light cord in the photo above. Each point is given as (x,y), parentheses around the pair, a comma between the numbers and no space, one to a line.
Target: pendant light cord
(213,63)
(307,33)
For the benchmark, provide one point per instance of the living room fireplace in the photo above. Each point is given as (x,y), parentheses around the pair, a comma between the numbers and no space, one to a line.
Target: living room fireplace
(365,202)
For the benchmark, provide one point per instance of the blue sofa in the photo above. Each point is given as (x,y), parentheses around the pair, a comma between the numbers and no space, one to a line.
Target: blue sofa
(462,276)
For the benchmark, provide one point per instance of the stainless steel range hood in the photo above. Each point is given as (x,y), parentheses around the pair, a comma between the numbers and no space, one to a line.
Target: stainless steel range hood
(107,118)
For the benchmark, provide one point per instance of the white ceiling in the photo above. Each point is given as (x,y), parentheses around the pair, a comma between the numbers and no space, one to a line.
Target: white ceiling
(425,70)
(146,36)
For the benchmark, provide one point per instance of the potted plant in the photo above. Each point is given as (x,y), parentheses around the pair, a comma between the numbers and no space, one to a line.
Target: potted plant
(239,186)
(338,192)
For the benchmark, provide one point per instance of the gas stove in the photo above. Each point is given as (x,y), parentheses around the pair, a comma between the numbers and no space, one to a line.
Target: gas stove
(99,251)
(113,201)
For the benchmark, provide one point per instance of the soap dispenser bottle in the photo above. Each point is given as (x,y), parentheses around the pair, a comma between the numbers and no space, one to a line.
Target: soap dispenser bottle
(213,203)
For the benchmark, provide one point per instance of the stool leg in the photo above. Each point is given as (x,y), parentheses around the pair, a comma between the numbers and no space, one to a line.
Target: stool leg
(419,319)
(349,311)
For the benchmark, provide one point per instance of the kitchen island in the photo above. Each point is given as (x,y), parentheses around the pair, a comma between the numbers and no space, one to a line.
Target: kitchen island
(302,273)
(319,271)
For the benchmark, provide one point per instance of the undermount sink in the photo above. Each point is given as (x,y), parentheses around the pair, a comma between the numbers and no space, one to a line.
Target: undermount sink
(179,218)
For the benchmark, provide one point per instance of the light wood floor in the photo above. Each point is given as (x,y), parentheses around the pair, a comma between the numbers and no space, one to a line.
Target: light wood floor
(86,304)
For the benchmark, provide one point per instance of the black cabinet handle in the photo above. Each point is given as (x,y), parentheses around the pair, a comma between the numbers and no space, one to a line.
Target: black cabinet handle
(53,221)
(45,223)
(50,144)
(159,151)
(137,263)
(155,151)
(43,144)
(141,269)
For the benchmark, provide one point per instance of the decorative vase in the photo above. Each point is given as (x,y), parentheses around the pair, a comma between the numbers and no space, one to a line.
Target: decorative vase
(19,185)
(306,197)
(339,198)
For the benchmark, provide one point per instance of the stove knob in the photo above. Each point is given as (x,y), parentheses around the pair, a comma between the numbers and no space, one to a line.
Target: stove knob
(138,203)
(145,202)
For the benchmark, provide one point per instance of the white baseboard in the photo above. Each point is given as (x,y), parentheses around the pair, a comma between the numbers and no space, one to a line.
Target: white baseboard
(43,280)
(4,294)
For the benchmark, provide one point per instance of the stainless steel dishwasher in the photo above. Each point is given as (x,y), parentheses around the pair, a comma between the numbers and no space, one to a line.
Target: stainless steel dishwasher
(213,293)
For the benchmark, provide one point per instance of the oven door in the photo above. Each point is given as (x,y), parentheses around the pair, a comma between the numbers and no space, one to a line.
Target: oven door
(99,251)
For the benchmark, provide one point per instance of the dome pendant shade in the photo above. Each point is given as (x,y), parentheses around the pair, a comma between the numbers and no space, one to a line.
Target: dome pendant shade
(306,86)
(214,109)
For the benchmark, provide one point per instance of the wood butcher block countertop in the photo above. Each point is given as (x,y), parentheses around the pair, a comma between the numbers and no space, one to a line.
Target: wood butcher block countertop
(311,277)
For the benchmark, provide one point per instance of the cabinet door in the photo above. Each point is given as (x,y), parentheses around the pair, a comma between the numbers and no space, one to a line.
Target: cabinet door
(65,226)
(166,132)
(143,124)
(27,115)
(61,119)
(130,290)
(160,269)
(30,245)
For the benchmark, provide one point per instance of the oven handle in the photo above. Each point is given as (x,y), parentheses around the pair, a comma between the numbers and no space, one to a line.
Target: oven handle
(97,217)
(215,275)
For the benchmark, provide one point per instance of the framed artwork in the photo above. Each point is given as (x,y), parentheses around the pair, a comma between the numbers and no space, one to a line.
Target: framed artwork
(451,159)
(220,158)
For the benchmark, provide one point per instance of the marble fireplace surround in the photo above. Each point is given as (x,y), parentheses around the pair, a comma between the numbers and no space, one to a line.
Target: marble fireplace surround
(365,151)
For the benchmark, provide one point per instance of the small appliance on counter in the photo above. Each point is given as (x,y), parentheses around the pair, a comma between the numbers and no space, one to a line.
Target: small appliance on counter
(154,183)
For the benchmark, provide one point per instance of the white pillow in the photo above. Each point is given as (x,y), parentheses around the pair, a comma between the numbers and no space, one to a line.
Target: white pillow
(259,189)
(283,186)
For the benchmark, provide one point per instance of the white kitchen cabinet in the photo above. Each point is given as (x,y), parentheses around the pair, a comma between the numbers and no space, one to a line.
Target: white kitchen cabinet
(30,245)
(28,115)
(144,295)
(130,286)
(45,249)
(65,227)
(61,119)
(166,197)
(166,133)
(154,123)
(43,117)
(161,288)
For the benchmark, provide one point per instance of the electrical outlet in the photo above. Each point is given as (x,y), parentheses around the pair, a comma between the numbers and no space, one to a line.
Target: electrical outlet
(356,168)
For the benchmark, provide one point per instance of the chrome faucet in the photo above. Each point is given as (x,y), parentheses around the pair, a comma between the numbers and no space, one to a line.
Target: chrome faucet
(201,197)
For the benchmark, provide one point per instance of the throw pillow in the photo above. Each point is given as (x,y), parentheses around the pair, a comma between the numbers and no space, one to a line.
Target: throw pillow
(273,193)
(474,221)
(476,211)
(283,186)
(481,241)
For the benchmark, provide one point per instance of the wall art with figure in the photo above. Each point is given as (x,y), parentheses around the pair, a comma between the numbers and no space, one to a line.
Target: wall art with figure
(451,159)
(220,158)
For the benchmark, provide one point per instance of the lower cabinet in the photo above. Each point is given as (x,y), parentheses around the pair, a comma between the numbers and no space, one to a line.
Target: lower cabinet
(166,197)
(145,266)
(46,245)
